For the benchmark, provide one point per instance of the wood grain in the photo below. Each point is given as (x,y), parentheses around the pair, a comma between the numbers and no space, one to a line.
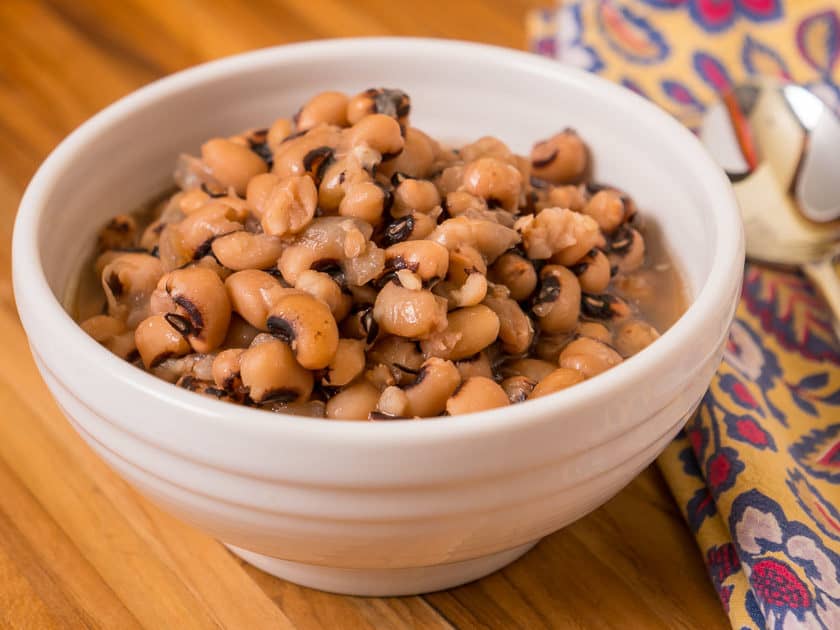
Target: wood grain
(79,548)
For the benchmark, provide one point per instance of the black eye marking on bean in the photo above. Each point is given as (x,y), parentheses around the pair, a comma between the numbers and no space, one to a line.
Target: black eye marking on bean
(193,313)
(187,382)
(622,240)
(297,134)
(115,285)
(391,156)
(550,290)
(399,262)
(119,225)
(579,269)
(263,151)
(155,252)
(130,250)
(204,249)
(494,204)
(399,230)
(598,306)
(179,323)
(394,103)
(398,178)
(408,370)
(317,160)
(280,396)
(369,325)
(214,391)
(281,329)
(538,183)
(330,267)
(208,192)
(545,161)
(387,197)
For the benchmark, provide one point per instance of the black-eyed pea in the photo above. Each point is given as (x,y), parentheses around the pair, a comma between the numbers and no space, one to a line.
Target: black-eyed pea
(607,208)
(245,250)
(325,108)
(429,260)
(434,384)
(347,363)
(634,336)
(390,102)
(489,238)
(515,272)
(469,331)
(128,281)
(364,200)
(409,313)
(558,304)
(561,159)
(604,307)
(561,378)
(240,333)
(379,132)
(470,292)
(308,153)
(201,227)
(487,147)
(417,157)
(250,293)
(392,403)
(594,330)
(119,233)
(533,369)
(572,197)
(548,347)
(226,369)
(160,337)
(517,388)
(193,384)
(516,331)
(476,365)
(354,402)
(493,180)
(191,200)
(326,289)
(414,195)
(360,324)
(560,234)
(627,250)
(280,129)
(380,376)
(589,357)
(593,272)
(231,164)
(477,394)
(402,356)
(112,333)
(198,296)
(269,372)
(307,325)
(290,206)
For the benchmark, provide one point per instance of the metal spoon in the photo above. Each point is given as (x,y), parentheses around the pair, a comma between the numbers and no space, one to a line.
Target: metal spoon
(780,146)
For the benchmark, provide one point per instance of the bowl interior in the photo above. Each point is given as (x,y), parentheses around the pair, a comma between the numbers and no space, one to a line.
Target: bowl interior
(458,93)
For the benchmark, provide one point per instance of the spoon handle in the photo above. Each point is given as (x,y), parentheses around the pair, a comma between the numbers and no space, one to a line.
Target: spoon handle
(823,275)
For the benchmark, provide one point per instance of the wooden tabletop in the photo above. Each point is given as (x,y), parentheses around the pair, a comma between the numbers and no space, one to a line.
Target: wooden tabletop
(79,548)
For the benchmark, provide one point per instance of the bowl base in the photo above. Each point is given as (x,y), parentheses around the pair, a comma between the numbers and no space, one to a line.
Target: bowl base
(383,582)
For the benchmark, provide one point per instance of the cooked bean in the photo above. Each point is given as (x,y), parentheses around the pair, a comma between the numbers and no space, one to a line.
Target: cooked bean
(128,282)
(627,250)
(379,132)
(594,330)
(486,147)
(251,295)
(559,234)
(476,365)
(593,272)
(494,181)
(571,197)
(226,369)
(346,365)
(112,333)
(634,336)
(363,200)
(326,289)
(280,129)
(469,331)
(517,388)
(414,195)
(119,233)
(394,103)
(533,369)
(429,260)
(407,313)
(489,238)
(325,108)
(157,339)
(516,331)
(354,402)
(435,383)
(231,164)
(196,366)
(477,394)
(393,403)
(607,208)
(307,154)
(604,307)
(557,306)
(290,206)
(270,372)
(562,159)
(307,325)
(515,272)
(244,250)
(198,297)
(198,230)
(401,355)
(240,333)
(561,378)
(589,357)
(417,157)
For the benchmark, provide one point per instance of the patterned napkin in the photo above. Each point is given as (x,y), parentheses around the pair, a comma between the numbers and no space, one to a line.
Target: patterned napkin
(757,471)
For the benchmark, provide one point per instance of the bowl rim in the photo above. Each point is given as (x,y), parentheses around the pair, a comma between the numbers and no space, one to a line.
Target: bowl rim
(31,286)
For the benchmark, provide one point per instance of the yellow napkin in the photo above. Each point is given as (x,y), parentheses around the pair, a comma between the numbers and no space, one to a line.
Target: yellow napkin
(757,471)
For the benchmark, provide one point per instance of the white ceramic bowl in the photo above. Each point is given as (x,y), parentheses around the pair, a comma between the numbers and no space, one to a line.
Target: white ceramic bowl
(389,507)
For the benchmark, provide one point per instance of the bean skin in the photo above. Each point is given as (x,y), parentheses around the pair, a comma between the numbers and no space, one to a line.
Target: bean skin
(477,394)
(232,164)
(561,378)
(354,402)
(589,357)
(469,331)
